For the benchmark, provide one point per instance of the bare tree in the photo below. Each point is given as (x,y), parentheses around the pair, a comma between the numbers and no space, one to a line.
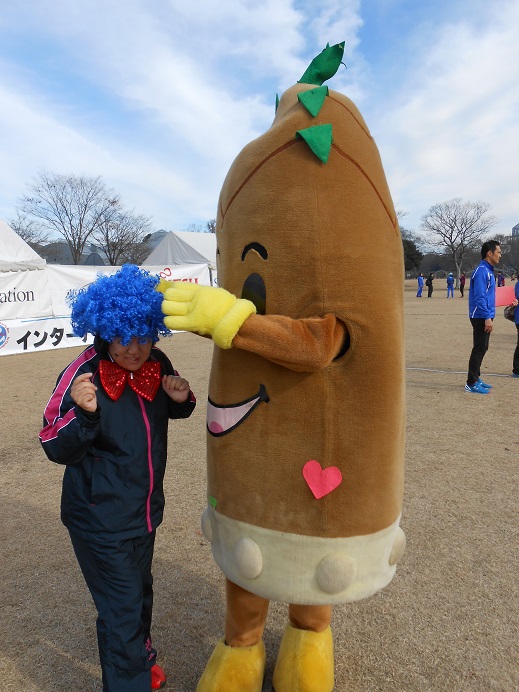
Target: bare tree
(136,253)
(456,227)
(119,234)
(29,229)
(513,256)
(69,205)
(194,228)
(211,225)
(412,253)
(416,238)
(509,252)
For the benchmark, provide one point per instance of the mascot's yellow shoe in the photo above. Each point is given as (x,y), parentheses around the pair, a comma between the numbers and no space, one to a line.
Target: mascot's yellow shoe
(234,669)
(305,662)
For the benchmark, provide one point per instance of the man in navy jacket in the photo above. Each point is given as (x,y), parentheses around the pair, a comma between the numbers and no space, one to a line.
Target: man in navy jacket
(482,310)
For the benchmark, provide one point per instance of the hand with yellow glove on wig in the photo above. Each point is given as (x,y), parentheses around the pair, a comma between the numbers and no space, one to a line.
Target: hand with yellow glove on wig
(205,310)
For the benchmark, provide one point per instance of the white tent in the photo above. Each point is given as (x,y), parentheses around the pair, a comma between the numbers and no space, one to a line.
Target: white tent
(183,247)
(203,243)
(15,253)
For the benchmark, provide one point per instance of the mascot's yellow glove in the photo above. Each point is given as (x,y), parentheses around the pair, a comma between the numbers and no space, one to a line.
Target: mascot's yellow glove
(205,310)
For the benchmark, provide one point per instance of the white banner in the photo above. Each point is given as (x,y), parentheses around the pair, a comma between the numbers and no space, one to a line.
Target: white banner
(43,334)
(63,278)
(24,294)
(34,315)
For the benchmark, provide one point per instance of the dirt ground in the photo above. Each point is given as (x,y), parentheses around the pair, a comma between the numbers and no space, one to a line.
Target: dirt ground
(447,622)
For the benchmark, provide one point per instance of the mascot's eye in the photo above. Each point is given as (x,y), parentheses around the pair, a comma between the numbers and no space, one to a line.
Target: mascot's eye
(257,247)
(254,290)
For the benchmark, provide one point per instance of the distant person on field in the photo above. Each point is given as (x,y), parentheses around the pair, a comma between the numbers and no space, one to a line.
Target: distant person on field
(463,279)
(429,284)
(482,310)
(500,280)
(420,286)
(450,286)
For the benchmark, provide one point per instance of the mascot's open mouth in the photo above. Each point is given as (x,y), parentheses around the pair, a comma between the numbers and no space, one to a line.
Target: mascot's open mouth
(222,419)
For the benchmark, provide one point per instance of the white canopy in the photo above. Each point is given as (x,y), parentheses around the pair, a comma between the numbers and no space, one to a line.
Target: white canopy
(183,247)
(15,253)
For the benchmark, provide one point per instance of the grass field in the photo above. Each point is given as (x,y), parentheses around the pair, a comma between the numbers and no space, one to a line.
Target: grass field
(447,622)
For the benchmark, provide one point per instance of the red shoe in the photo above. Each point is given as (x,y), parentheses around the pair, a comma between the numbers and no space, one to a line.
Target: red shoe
(158,677)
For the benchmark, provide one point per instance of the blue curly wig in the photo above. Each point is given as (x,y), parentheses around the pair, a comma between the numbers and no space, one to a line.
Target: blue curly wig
(122,305)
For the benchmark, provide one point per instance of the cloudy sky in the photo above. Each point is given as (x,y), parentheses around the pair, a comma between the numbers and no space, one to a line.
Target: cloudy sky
(158,96)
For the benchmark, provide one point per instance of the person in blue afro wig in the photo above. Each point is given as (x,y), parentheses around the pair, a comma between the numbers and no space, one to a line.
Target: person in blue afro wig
(123,305)
(107,423)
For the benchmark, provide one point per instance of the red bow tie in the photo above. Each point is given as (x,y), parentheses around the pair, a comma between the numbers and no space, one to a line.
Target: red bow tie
(144,381)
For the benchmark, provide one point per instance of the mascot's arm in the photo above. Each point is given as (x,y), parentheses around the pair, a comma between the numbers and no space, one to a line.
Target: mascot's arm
(304,345)
(205,310)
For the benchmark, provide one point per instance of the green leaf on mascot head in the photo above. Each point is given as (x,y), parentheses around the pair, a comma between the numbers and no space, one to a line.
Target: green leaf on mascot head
(277,103)
(319,139)
(324,66)
(313,100)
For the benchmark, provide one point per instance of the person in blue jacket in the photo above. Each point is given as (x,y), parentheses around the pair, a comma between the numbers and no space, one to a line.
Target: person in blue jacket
(450,286)
(482,310)
(107,423)
(420,286)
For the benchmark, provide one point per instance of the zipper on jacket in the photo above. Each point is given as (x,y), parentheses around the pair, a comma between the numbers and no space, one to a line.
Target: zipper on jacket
(150,463)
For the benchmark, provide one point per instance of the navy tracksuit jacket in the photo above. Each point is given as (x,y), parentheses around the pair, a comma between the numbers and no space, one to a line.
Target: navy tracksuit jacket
(112,501)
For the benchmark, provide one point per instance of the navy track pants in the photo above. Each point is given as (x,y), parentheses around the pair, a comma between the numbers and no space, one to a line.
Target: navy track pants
(118,575)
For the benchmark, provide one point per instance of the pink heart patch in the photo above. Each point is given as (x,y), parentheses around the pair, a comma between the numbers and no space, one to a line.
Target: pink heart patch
(321,481)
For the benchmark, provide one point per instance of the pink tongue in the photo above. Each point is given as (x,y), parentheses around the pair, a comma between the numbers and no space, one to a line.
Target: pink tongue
(215,428)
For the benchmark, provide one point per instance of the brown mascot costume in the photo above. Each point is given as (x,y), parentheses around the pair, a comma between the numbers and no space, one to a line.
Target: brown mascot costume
(306,411)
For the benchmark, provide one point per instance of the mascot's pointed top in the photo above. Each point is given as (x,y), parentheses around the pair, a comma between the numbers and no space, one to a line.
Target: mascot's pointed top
(324,66)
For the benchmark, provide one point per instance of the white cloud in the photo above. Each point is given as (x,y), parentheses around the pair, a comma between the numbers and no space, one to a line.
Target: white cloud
(193,73)
(160,97)
(40,141)
(452,128)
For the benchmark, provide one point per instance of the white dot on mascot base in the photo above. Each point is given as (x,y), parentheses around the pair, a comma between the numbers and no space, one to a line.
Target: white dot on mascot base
(207,527)
(248,558)
(336,573)
(398,547)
